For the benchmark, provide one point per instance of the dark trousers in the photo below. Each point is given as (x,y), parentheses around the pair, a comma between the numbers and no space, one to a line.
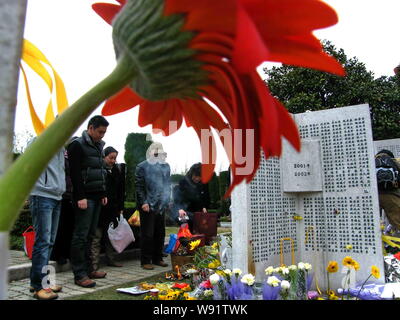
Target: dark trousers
(84,231)
(152,236)
(62,246)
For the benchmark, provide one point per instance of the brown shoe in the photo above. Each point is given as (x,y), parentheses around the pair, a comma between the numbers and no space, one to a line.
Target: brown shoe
(97,274)
(85,282)
(54,288)
(147,266)
(161,264)
(114,264)
(45,294)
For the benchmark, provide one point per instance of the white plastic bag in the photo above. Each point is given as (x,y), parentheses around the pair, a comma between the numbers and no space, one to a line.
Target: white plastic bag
(121,236)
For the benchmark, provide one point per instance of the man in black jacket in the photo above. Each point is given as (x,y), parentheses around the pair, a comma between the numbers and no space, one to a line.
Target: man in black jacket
(152,180)
(88,181)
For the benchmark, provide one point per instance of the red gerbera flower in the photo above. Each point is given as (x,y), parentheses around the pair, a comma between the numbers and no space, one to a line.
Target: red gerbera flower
(180,285)
(186,51)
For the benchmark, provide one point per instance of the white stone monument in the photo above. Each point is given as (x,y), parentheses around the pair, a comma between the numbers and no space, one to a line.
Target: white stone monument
(312,205)
(389,144)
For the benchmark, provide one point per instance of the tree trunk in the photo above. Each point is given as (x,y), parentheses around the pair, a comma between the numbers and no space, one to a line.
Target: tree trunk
(12,21)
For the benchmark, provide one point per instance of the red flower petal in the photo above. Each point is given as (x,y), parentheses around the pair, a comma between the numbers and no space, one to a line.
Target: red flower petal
(205,15)
(250,49)
(107,10)
(124,100)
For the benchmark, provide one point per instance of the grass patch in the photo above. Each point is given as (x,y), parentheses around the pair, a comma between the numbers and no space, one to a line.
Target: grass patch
(112,294)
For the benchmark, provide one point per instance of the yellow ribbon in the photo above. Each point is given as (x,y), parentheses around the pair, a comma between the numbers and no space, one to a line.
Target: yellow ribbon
(292,250)
(314,243)
(34,58)
(389,240)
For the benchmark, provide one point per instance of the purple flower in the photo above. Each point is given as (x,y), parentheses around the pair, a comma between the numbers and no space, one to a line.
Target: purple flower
(312,295)
(270,292)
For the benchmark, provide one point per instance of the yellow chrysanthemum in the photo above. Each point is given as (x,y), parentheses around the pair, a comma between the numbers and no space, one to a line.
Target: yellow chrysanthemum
(332,267)
(214,264)
(194,244)
(356,265)
(215,245)
(162,297)
(333,297)
(375,272)
(348,262)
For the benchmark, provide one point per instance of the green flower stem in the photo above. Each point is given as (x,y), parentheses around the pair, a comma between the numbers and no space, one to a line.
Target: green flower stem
(19,179)
(363,286)
(329,286)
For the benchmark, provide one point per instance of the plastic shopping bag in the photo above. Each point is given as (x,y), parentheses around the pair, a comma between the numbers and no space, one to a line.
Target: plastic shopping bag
(29,240)
(134,220)
(120,236)
(171,244)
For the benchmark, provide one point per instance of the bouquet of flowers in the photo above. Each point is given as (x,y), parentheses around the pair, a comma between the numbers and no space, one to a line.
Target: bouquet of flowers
(288,283)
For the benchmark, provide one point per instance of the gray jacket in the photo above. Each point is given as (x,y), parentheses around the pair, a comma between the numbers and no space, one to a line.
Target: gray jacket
(51,183)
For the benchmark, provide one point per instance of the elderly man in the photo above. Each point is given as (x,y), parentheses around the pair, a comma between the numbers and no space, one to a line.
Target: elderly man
(152,179)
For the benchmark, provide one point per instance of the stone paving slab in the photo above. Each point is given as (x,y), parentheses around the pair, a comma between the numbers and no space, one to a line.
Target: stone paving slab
(131,271)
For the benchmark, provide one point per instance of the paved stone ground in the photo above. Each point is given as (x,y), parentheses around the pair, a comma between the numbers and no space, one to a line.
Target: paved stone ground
(131,271)
(17,257)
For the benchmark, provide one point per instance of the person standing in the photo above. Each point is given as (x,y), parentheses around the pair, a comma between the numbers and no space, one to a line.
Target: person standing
(190,195)
(152,181)
(62,246)
(88,177)
(45,205)
(115,191)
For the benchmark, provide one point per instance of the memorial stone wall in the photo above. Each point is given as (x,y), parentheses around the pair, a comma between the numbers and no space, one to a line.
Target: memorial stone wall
(311,206)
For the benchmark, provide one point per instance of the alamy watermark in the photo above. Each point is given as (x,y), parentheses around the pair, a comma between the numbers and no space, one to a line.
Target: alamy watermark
(238,144)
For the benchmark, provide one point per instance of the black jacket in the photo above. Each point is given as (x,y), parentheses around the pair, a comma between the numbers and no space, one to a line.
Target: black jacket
(115,192)
(153,185)
(190,196)
(87,170)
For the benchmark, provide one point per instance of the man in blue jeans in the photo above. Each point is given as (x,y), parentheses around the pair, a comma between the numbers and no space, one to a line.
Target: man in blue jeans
(45,205)
(88,177)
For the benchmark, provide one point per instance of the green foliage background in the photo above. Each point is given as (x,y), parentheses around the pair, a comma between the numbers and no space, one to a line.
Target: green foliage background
(301,89)
(136,145)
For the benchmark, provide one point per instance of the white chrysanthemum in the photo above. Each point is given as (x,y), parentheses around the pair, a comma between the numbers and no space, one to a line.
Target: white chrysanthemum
(292,267)
(284,270)
(237,271)
(214,278)
(270,270)
(248,279)
(308,266)
(301,266)
(273,281)
(228,272)
(208,293)
(285,285)
(276,270)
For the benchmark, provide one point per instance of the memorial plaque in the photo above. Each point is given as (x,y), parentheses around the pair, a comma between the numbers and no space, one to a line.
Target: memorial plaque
(302,170)
(315,204)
